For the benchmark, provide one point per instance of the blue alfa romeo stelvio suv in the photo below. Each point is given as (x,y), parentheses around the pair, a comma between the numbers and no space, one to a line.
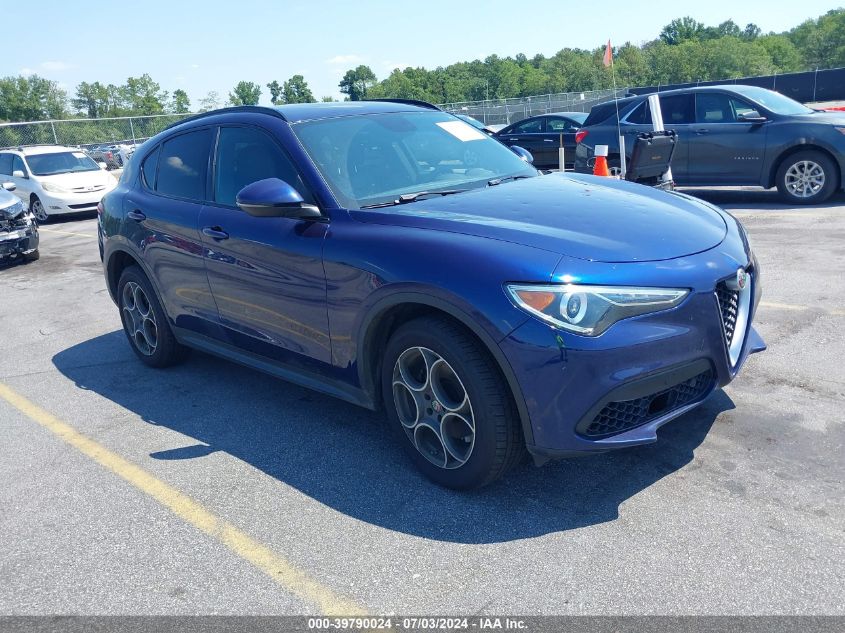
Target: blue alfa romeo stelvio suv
(391,255)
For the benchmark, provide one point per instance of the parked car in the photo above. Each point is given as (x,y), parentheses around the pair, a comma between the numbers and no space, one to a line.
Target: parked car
(731,135)
(18,228)
(540,135)
(488,308)
(108,155)
(52,180)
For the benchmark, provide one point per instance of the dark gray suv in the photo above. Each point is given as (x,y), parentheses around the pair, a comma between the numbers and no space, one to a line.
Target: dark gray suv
(731,135)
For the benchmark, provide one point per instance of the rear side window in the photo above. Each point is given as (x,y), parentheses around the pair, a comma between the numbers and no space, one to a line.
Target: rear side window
(678,109)
(246,155)
(6,164)
(149,168)
(183,165)
(641,115)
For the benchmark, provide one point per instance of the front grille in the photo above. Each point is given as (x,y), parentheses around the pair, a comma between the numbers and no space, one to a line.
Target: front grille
(729,306)
(87,205)
(623,415)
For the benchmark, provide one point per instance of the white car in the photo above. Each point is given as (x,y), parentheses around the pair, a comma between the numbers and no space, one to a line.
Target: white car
(53,180)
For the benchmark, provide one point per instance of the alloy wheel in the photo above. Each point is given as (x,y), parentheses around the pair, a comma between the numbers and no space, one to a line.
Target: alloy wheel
(434,407)
(38,210)
(139,318)
(804,179)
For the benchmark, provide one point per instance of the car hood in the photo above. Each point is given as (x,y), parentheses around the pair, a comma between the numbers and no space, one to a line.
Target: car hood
(80,179)
(829,118)
(580,216)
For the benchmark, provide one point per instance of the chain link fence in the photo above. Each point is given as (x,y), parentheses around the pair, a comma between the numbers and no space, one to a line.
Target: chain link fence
(86,132)
(507,111)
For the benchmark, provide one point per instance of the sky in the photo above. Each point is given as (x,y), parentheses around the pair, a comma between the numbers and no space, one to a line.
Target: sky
(204,46)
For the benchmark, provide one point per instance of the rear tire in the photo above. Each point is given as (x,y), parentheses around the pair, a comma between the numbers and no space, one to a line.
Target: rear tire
(144,321)
(33,256)
(449,405)
(807,177)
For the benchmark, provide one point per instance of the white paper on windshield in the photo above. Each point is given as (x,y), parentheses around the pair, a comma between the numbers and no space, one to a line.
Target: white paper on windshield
(79,154)
(461,131)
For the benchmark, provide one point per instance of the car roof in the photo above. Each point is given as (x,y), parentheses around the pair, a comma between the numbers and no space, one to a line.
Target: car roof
(566,114)
(309,111)
(40,149)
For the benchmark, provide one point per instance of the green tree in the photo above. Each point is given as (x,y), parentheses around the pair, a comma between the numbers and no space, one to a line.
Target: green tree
(681,30)
(296,90)
(31,98)
(211,101)
(142,96)
(357,82)
(327,99)
(91,100)
(275,92)
(245,93)
(180,104)
(822,41)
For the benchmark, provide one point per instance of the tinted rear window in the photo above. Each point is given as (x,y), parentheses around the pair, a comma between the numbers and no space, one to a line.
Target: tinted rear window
(183,165)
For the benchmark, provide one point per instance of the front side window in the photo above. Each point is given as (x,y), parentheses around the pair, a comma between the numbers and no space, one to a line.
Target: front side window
(559,125)
(375,158)
(720,108)
(17,164)
(58,163)
(534,126)
(246,155)
(183,165)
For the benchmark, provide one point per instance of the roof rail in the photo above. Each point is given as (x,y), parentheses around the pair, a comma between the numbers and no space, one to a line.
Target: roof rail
(413,102)
(229,110)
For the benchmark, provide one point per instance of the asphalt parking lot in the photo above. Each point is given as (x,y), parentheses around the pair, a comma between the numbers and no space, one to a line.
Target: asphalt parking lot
(210,488)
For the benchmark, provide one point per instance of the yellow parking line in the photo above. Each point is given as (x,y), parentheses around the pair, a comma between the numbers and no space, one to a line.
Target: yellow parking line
(799,308)
(66,233)
(289,577)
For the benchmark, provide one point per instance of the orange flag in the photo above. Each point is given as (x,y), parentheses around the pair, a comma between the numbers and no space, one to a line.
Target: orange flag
(608,55)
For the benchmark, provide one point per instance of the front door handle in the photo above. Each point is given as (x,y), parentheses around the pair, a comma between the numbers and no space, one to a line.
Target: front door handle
(136,215)
(702,131)
(215,232)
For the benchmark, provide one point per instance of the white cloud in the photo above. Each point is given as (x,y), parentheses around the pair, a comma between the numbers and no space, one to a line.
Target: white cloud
(26,72)
(345,59)
(55,66)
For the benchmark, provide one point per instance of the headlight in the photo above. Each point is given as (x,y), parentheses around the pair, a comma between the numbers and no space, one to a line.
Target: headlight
(590,310)
(49,186)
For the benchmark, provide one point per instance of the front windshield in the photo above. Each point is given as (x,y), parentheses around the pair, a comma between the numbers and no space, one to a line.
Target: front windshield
(60,163)
(773,101)
(374,159)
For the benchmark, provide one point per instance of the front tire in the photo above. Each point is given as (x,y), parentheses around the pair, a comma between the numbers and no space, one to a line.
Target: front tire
(449,405)
(37,208)
(807,177)
(33,256)
(144,321)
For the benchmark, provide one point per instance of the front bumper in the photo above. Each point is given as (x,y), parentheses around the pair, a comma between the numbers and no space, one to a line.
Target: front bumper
(62,203)
(587,395)
(20,240)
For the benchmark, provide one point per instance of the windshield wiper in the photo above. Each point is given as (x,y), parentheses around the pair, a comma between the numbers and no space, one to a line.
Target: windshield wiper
(405,198)
(499,181)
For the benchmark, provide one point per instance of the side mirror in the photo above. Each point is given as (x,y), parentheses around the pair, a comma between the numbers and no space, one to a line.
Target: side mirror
(102,164)
(18,173)
(274,198)
(9,186)
(752,117)
(523,153)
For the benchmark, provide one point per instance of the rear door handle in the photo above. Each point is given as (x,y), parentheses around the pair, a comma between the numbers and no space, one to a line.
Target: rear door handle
(215,232)
(702,131)
(136,215)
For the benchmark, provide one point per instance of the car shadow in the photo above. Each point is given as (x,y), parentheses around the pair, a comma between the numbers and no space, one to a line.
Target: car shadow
(344,456)
(753,199)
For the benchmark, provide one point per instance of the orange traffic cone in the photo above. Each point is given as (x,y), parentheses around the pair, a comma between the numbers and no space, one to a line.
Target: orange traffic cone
(600,168)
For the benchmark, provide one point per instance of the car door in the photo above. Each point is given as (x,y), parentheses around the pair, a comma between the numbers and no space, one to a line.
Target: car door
(161,216)
(528,134)
(724,149)
(266,273)
(555,126)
